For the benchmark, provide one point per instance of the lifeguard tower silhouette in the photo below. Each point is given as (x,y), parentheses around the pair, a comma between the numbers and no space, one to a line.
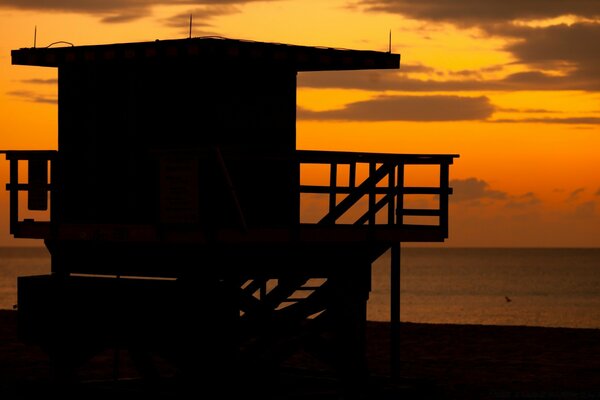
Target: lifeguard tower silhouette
(176,218)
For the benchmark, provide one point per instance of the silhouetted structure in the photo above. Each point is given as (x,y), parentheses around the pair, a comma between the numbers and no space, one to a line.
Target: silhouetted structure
(177,160)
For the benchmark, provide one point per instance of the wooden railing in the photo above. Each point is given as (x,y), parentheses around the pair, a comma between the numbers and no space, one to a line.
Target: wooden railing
(37,186)
(383,188)
(374,192)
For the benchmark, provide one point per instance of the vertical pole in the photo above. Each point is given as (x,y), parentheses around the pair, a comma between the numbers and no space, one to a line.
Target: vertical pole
(14,195)
(400,195)
(332,187)
(54,193)
(371,209)
(391,196)
(444,192)
(395,311)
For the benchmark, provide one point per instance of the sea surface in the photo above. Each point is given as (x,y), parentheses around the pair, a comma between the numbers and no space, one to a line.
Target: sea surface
(535,287)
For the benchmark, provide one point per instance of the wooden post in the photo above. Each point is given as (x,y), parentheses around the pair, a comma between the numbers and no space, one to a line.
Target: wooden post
(14,194)
(395,311)
(400,195)
(371,209)
(332,187)
(444,192)
(392,193)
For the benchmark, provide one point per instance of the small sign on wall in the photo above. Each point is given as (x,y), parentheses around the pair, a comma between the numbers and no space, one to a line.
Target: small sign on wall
(179,192)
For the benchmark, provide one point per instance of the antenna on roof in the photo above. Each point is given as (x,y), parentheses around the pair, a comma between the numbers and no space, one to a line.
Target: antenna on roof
(190,27)
(390,42)
(34,36)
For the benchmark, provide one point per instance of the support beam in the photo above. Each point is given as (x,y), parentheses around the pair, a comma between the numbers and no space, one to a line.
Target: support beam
(395,310)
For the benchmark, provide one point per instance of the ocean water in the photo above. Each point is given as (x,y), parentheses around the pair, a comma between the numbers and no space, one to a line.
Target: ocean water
(546,287)
(19,261)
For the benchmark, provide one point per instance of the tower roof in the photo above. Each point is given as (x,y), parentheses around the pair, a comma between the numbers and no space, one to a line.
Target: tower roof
(211,51)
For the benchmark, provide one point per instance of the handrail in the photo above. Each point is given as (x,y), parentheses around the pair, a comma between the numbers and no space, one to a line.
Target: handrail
(37,186)
(383,189)
(347,157)
(380,166)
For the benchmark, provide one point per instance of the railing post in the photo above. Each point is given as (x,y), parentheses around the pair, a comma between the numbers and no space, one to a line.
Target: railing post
(400,195)
(444,192)
(14,195)
(372,199)
(391,195)
(54,192)
(332,186)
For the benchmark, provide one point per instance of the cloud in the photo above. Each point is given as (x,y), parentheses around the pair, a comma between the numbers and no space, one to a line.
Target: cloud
(527,110)
(394,80)
(598,192)
(200,17)
(575,46)
(111,11)
(33,97)
(477,12)
(574,195)
(408,108)
(474,189)
(418,68)
(125,17)
(571,49)
(573,121)
(525,200)
(37,81)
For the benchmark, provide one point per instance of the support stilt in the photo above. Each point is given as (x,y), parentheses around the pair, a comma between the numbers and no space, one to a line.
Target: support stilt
(395,310)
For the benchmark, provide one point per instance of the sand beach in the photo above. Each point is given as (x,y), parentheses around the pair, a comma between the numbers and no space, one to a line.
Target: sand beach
(443,361)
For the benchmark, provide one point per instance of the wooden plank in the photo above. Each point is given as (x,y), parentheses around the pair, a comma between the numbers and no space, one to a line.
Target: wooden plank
(346,157)
(315,189)
(24,187)
(29,154)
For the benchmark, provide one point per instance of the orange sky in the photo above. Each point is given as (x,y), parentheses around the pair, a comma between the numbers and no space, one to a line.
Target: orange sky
(512,87)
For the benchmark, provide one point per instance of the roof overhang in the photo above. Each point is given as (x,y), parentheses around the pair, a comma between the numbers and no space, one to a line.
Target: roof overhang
(211,51)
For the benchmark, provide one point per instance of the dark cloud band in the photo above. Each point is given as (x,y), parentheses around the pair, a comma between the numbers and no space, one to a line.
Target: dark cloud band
(33,97)
(478,12)
(408,108)
(112,11)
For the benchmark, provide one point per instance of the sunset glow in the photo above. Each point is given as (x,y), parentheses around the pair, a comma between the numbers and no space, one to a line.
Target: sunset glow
(513,87)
